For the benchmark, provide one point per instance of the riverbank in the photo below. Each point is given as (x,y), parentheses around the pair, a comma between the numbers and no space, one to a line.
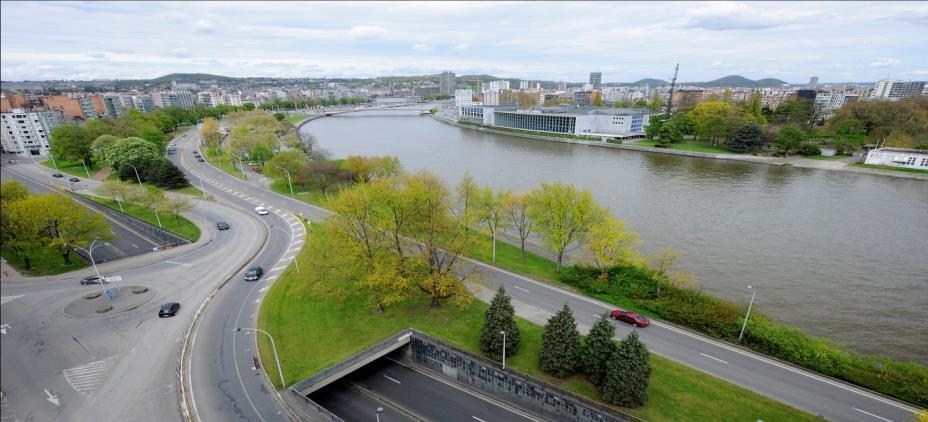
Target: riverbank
(800,162)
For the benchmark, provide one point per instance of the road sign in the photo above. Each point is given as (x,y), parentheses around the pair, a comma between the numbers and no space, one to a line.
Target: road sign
(111,293)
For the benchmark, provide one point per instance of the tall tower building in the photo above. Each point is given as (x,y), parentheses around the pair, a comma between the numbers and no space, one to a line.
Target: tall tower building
(447,83)
(813,82)
(596,79)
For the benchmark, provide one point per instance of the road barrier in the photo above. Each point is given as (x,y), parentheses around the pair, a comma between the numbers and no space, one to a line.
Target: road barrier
(157,234)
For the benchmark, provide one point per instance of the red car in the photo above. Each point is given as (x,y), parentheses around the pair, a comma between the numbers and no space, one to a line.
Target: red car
(633,318)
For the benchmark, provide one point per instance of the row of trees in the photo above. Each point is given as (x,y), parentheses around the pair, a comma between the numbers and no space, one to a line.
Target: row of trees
(151,198)
(30,223)
(279,104)
(622,372)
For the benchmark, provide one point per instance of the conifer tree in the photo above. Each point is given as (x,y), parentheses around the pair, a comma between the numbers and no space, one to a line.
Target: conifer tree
(560,344)
(629,371)
(597,350)
(500,316)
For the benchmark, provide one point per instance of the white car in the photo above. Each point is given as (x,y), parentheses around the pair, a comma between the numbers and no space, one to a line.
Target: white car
(261,210)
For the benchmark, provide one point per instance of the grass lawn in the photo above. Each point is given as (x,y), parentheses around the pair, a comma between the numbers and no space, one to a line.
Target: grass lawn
(188,190)
(212,155)
(315,329)
(311,196)
(46,261)
(295,118)
(689,145)
(74,168)
(826,158)
(507,257)
(881,167)
(177,225)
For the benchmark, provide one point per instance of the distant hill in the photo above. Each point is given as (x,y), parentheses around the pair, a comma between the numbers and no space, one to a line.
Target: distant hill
(739,82)
(770,82)
(191,78)
(651,82)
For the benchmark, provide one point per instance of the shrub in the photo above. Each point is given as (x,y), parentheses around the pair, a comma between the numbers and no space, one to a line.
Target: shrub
(808,149)
(92,296)
(102,309)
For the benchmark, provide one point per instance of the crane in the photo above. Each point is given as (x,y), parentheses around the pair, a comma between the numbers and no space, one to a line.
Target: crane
(673,84)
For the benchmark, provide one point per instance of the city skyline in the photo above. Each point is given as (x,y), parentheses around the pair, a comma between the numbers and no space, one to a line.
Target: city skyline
(624,41)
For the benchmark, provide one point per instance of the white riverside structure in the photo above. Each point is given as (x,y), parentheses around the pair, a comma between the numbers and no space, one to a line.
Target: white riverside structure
(606,123)
(899,157)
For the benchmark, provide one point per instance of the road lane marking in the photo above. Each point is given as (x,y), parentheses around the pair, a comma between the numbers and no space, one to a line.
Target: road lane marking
(278,268)
(3,328)
(178,263)
(871,414)
(478,419)
(6,299)
(714,358)
(520,288)
(86,378)
(392,379)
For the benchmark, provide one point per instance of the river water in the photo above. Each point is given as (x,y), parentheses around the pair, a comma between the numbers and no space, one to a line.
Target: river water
(841,255)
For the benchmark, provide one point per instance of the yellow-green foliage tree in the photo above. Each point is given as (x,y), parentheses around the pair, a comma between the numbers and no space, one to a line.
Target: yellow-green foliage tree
(610,244)
(563,215)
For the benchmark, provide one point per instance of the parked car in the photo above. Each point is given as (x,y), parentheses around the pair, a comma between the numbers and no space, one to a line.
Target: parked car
(254,273)
(11,161)
(261,210)
(200,159)
(222,225)
(168,309)
(196,152)
(93,280)
(633,318)
(57,175)
(74,179)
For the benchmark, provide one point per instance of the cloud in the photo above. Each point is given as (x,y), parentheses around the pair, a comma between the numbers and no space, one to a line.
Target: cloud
(366,31)
(886,62)
(461,46)
(422,47)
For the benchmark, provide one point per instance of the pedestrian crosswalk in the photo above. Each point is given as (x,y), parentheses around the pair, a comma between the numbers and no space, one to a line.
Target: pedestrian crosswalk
(6,299)
(86,378)
(6,413)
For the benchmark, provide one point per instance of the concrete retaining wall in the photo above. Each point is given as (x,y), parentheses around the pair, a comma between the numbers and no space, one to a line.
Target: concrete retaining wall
(353,363)
(156,234)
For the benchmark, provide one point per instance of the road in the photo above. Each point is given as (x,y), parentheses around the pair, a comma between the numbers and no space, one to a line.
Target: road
(536,301)
(127,242)
(422,395)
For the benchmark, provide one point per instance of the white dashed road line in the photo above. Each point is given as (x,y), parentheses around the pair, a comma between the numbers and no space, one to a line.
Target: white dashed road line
(714,358)
(871,414)
(6,299)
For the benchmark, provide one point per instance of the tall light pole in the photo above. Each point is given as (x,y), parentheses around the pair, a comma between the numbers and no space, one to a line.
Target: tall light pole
(748,314)
(280,372)
(504,348)
(157,218)
(53,159)
(89,252)
(289,182)
(85,169)
(379,411)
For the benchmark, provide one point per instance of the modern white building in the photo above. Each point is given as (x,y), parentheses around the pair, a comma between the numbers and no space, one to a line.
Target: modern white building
(898,157)
(606,123)
(497,85)
(491,97)
(26,133)
(887,89)
(463,98)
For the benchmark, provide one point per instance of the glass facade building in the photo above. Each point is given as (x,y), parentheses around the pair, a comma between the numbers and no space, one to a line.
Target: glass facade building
(536,121)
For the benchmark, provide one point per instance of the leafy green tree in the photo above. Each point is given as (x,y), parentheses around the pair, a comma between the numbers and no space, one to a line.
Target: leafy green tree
(789,139)
(12,190)
(640,104)
(490,210)
(611,244)
(72,142)
(97,128)
(755,107)
(656,104)
(500,316)
(69,224)
(166,175)
(128,150)
(748,139)
(710,120)
(652,130)
(248,106)
(598,349)
(260,153)
(21,227)
(100,144)
(516,207)
(628,375)
(563,215)
(560,344)
(280,116)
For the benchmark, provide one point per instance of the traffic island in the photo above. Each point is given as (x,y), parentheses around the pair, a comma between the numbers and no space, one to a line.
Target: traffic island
(116,300)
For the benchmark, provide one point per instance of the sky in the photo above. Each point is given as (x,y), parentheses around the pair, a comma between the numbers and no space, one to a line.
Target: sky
(836,41)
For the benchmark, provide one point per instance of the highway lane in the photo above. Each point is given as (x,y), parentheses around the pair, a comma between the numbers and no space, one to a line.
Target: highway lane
(127,242)
(424,396)
(119,367)
(795,386)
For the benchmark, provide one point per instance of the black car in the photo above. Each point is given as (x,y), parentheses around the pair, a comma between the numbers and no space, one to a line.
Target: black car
(74,179)
(200,159)
(254,273)
(222,225)
(168,309)
(57,175)
(93,280)
(196,153)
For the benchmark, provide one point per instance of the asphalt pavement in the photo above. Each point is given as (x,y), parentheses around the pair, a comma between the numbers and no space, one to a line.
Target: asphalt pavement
(537,301)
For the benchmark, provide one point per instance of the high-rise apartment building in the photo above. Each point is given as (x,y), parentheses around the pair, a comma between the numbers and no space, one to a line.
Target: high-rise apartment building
(447,82)
(114,106)
(895,90)
(26,133)
(813,82)
(463,97)
(491,97)
(596,79)
(562,86)
(497,85)
(523,84)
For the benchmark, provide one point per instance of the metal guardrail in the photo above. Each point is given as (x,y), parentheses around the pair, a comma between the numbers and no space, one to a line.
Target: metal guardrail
(159,235)
(400,337)
(315,411)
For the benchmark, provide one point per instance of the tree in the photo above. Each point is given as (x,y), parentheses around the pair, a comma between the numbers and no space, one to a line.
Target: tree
(165,174)
(308,143)
(490,210)
(560,344)
(597,99)
(500,316)
(116,189)
(177,205)
(710,120)
(665,259)
(755,107)
(629,372)
(280,116)
(598,350)
(286,161)
(260,153)
(656,104)
(69,224)
(789,139)
(12,190)
(325,174)
(21,227)
(209,132)
(652,130)
(100,144)
(611,244)
(366,169)
(563,215)
(516,206)
(468,192)
(127,150)
(748,139)
(640,104)
(71,142)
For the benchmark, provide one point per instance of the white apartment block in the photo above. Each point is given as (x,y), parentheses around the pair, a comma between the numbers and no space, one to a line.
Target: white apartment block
(491,97)
(26,133)
(497,85)
(827,102)
(463,98)
(894,90)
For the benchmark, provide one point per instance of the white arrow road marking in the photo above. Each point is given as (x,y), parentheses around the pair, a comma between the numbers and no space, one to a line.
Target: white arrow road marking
(3,328)
(52,398)
(86,378)
(5,299)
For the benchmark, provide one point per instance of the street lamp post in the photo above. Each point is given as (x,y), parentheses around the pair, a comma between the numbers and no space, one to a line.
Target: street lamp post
(379,411)
(504,348)
(85,169)
(289,181)
(280,372)
(53,159)
(89,252)
(748,314)
(157,218)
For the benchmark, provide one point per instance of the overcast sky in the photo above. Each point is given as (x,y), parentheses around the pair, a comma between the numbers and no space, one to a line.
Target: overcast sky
(792,41)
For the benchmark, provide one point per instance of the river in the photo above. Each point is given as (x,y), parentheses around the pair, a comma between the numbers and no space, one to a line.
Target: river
(841,255)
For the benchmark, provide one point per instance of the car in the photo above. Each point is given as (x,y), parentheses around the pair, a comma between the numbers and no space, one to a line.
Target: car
(57,175)
(196,153)
(11,161)
(261,210)
(222,225)
(200,159)
(93,280)
(632,318)
(254,273)
(168,309)
(74,180)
